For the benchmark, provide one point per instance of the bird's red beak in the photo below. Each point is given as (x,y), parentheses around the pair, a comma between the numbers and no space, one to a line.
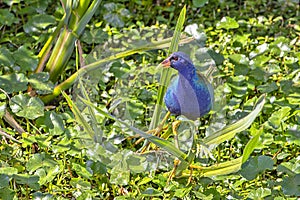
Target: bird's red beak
(166,63)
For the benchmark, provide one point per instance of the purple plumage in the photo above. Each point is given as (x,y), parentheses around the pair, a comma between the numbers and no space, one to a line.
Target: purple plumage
(190,94)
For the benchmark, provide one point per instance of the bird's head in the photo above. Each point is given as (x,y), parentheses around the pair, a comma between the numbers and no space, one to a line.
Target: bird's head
(179,61)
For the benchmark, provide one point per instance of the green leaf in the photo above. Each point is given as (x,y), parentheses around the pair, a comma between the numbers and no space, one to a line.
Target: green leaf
(8,170)
(25,106)
(256,165)
(6,17)
(6,58)
(260,193)
(13,83)
(2,108)
(279,117)
(31,180)
(199,3)
(38,22)
(268,87)
(81,171)
(6,193)
(250,146)
(152,192)
(227,23)
(229,131)
(120,177)
(4,180)
(25,59)
(40,82)
(40,161)
(291,185)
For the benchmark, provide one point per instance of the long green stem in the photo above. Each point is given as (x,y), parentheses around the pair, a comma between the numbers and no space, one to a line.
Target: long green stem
(166,73)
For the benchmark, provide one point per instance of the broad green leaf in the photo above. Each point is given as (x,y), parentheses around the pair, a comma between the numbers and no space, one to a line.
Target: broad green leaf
(6,193)
(7,18)
(256,165)
(229,131)
(40,82)
(38,161)
(25,106)
(8,170)
(227,23)
(31,180)
(6,58)
(13,83)
(2,108)
(38,22)
(120,177)
(152,192)
(4,180)
(199,3)
(25,58)
(291,185)
(260,193)
(279,117)
(81,171)
(81,184)
(268,87)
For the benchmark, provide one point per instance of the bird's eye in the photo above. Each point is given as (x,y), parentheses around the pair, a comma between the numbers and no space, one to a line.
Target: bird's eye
(174,58)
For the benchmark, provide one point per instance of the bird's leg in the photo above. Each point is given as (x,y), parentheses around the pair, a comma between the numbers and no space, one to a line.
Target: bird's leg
(176,161)
(155,131)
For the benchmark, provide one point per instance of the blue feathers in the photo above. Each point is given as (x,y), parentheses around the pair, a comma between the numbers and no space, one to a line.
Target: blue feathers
(190,94)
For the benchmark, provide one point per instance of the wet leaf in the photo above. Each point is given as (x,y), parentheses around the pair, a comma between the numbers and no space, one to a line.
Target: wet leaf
(25,106)
(13,83)
(255,166)
(227,23)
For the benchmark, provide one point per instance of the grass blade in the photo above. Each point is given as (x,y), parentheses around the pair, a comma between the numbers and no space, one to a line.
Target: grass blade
(229,131)
(167,73)
(168,146)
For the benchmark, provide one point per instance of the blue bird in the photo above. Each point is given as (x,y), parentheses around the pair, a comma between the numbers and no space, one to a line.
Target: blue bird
(189,94)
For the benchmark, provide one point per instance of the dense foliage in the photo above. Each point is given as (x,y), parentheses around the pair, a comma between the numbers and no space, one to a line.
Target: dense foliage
(46,153)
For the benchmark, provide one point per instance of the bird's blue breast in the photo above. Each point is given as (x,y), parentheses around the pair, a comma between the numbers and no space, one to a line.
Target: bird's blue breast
(191,98)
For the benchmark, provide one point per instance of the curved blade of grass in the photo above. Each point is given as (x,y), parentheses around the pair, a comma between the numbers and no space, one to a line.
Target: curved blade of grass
(95,65)
(78,115)
(167,73)
(232,166)
(229,131)
(168,146)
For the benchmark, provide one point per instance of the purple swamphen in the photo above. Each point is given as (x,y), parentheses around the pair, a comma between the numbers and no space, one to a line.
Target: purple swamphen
(190,94)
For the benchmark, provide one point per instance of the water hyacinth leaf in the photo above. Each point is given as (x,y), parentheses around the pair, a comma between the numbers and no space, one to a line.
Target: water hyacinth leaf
(94,36)
(119,176)
(25,106)
(38,22)
(227,23)
(268,87)
(8,170)
(13,83)
(81,171)
(7,193)
(279,117)
(47,175)
(31,180)
(229,131)
(6,58)
(40,161)
(25,59)
(291,185)
(260,193)
(40,82)
(199,3)
(7,18)
(4,180)
(151,192)
(255,166)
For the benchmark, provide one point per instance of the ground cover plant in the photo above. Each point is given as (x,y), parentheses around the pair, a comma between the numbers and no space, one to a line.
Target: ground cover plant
(81,84)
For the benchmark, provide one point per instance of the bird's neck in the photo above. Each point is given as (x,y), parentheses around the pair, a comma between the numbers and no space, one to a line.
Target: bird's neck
(188,75)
